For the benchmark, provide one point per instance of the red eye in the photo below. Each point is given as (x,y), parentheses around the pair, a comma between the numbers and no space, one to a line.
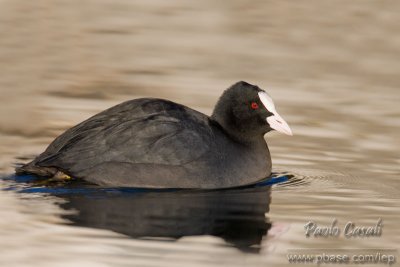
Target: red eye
(254,105)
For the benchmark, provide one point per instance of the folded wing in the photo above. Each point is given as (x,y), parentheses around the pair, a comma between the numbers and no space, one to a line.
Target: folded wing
(143,131)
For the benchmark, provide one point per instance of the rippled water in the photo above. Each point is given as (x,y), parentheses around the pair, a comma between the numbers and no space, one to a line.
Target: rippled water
(332,68)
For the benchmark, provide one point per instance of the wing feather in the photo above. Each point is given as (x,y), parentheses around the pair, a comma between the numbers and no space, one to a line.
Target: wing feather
(145,132)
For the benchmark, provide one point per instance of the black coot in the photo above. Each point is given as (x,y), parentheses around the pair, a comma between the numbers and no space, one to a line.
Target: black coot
(157,143)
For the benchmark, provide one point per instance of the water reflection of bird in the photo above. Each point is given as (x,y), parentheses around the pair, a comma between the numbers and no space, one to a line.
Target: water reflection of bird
(156,143)
(236,215)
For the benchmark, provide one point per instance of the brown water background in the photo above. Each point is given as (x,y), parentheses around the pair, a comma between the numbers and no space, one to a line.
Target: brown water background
(332,67)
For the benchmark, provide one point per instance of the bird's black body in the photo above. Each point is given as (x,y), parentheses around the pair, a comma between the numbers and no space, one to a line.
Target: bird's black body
(156,143)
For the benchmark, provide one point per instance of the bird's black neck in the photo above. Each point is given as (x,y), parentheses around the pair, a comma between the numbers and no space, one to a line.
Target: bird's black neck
(225,121)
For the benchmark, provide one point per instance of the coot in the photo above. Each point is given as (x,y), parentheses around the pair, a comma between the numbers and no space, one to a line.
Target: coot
(156,143)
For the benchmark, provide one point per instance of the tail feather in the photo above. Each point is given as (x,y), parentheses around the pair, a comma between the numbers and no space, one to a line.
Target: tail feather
(31,168)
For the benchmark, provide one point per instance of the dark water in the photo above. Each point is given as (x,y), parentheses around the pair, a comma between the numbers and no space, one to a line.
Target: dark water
(235,215)
(332,68)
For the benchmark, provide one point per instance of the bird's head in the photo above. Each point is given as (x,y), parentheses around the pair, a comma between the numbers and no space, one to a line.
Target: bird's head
(246,111)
